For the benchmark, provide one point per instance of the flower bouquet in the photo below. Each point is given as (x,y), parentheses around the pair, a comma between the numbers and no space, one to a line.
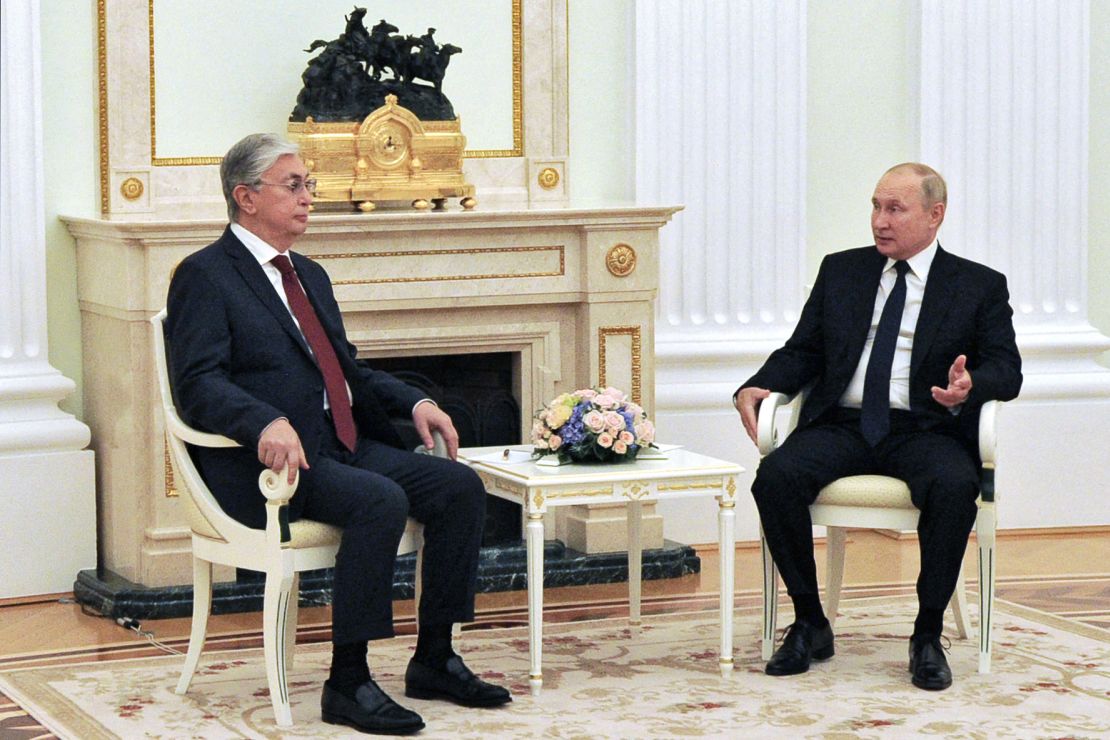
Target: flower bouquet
(592,425)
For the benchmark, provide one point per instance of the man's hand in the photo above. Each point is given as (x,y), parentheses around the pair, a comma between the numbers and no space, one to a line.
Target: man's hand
(279,447)
(430,418)
(747,403)
(959,385)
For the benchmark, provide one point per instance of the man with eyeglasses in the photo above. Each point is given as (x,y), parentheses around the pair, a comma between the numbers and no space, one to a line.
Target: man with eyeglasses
(258,353)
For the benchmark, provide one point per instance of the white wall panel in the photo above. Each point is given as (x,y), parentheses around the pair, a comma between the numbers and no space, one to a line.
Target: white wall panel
(720,127)
(1004,116)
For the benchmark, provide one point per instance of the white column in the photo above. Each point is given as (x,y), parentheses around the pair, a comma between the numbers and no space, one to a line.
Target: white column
(47,490)
(720,127)
(1004,116)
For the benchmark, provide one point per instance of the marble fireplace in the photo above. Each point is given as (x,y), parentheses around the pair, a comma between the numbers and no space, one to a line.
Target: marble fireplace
(565,291)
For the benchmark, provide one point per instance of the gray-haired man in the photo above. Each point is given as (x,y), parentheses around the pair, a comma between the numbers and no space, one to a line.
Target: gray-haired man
(258,353)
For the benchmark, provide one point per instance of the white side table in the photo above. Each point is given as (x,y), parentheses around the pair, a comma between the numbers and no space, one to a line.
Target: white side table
(682,474)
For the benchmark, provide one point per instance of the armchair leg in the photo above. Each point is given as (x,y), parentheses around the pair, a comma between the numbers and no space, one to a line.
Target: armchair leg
(202,605)
(984,534)
(292,615)
(418,575)
(275,615)
(959,607)
(770,599)
(835,543)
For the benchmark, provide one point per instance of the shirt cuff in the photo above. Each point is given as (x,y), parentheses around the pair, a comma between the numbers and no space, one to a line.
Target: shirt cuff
(267,427)
(424,400)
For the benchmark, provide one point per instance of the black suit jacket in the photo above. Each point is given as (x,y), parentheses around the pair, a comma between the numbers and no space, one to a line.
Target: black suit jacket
(965,310)
(238,362)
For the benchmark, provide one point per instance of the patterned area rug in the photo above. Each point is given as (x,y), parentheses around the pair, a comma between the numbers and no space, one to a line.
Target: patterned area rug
(1051,678)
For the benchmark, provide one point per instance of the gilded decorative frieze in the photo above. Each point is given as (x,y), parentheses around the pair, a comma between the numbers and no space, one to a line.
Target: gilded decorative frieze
(690,486)
(581,493)
(636,490)
(556,250)
(609,331)
(171,488)
(102,101)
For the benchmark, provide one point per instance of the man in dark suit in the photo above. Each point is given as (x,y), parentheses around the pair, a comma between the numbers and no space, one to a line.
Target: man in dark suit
(902,343)
(258,353)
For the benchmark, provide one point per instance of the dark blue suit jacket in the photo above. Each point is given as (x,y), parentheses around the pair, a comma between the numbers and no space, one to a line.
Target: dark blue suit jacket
(238,362)
(965,310)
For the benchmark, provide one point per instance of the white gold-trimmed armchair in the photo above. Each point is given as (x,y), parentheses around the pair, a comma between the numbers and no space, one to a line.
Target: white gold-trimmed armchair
(282,550)
(880,502)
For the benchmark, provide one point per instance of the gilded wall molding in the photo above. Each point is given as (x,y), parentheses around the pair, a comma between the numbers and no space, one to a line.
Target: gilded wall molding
(517,149)
(102,101)
(634,332)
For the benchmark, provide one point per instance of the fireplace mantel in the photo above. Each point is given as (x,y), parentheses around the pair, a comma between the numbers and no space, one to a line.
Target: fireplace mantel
(568,288)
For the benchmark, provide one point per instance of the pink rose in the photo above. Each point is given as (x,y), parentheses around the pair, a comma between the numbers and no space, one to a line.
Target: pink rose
(586,394)
(605,440)
(539,435)
(594,420)
(555,442)
(620,447)
(605,401)
(627,437)
(645,432)
(614,421)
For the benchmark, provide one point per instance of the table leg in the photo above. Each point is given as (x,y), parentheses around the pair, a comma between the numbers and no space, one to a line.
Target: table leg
(726,520)
(635,561)
(535,600)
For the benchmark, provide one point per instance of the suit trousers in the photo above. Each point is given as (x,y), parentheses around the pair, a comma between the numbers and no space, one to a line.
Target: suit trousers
(937,465)
(369,494)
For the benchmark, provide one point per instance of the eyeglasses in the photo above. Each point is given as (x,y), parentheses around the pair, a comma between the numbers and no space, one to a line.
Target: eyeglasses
(294,186)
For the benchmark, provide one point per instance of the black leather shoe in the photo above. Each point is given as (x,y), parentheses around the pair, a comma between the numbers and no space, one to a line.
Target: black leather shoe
(370,711)
(928,665)
(803,643)
(454,682)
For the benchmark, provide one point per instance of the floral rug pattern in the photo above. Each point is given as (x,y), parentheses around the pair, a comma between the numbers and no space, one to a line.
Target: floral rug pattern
(602,679)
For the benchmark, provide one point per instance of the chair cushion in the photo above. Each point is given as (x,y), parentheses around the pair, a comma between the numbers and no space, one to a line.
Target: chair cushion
(877,491)
(307,533)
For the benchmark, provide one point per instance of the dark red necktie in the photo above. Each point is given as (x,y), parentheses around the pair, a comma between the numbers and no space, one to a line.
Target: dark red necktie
(313,331)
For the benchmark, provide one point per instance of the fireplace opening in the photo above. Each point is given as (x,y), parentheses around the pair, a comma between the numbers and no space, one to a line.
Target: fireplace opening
(478,392)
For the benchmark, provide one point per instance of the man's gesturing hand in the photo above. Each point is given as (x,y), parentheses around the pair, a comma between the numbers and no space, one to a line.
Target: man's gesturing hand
(959,385)
(747,403)
(279,447)
(428,418)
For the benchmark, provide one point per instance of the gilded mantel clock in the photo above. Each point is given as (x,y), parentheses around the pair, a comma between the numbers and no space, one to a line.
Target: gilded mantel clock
(390,156)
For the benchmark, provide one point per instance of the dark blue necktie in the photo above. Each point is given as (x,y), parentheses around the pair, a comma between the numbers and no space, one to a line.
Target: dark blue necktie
(874,419)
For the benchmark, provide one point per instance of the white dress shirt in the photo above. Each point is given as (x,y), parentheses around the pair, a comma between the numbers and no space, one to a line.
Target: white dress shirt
(916,277)
(265,254)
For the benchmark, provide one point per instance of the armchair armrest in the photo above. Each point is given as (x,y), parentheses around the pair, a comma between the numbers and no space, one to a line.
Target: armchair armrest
(988,448)
(187,434)
(769,434)
(278,490)
(439,447)
(988,434)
